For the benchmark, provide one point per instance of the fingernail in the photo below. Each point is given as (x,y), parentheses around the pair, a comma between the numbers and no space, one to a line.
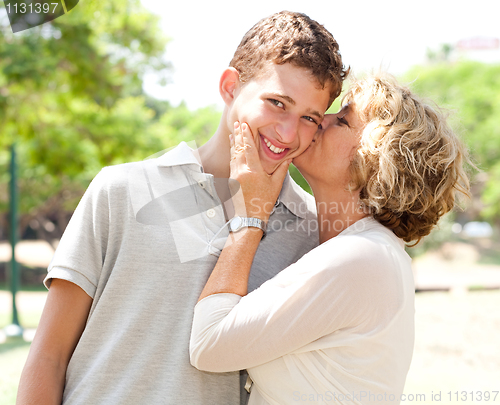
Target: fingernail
(230,137)
(244,126)
(236,125)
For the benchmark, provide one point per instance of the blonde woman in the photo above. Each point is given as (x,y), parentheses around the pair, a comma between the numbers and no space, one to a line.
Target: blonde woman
(338,325)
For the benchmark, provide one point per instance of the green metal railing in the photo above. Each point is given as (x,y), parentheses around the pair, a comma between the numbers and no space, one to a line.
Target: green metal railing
(14,330)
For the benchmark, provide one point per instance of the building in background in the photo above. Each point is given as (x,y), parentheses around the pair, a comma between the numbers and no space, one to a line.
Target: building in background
(481,49)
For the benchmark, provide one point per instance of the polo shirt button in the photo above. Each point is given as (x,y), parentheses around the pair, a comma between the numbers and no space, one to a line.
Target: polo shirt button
(201,184)
(211,213)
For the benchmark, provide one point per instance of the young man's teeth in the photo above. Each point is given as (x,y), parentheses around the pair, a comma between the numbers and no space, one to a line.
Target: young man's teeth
(272,147)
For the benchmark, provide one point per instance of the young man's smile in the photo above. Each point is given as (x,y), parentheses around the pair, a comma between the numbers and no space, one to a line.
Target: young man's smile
(273,149)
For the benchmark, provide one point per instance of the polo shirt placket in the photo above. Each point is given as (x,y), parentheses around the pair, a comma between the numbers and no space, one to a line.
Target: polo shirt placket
(213,216)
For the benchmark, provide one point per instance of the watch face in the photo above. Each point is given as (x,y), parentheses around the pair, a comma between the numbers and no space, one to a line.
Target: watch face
(236,223)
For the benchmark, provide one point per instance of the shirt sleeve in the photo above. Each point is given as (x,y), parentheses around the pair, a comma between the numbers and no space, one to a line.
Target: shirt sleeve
(80,254)
(345,283)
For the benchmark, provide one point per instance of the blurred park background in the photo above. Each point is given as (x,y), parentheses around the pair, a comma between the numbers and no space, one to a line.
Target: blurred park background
(121,80)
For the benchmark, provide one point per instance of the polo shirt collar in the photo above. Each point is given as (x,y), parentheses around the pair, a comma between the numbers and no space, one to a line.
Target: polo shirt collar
(295,199)
(181,154)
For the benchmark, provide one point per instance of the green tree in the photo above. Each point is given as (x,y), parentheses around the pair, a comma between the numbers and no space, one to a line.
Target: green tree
(471,90)
(180,124)
(71,98)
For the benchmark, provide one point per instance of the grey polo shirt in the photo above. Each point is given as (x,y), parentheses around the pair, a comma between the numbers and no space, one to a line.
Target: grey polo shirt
(142,243)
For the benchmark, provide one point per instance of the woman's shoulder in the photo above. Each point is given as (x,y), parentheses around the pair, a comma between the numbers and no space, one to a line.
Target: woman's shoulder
(362,240)
(371,229)
(364,251)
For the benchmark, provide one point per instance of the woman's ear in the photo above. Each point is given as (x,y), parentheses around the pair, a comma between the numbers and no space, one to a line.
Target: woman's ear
(229,82)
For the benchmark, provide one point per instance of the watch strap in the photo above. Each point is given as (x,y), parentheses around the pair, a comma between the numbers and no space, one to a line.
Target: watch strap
(256,223)
(245,222)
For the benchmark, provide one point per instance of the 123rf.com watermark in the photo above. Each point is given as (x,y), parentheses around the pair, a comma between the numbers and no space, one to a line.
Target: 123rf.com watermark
(367,397)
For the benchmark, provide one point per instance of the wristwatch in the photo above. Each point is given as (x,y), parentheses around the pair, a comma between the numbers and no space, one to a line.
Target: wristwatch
(241,222)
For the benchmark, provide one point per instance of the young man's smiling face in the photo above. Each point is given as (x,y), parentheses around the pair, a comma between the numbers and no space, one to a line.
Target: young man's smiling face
(283,107)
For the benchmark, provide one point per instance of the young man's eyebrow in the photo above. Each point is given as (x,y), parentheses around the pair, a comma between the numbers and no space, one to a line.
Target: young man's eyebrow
(317,114)
(287,98)
(292,102)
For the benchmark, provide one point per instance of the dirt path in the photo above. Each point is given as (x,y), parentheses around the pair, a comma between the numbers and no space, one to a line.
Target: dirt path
(456,346)
(35,253)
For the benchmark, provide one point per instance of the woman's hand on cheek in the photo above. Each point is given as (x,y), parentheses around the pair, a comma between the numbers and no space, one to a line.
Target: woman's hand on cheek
(257,191)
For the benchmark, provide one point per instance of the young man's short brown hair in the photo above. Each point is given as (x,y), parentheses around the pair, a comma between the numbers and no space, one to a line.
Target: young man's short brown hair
(289,37)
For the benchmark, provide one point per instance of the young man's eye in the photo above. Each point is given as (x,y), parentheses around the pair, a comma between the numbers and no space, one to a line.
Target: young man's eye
(311,119)
(277,103)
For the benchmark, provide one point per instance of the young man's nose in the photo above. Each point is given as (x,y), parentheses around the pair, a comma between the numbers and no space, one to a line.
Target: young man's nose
(288,129)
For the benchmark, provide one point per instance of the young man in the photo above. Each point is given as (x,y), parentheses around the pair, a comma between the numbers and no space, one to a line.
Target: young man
(145,237)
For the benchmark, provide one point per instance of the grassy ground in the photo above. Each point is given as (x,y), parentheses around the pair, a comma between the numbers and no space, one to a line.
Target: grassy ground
(12,359)
(13,355)
(28,319)
(29,305)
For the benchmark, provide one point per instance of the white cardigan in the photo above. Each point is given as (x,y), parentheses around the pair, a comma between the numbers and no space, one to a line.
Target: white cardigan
(335,327)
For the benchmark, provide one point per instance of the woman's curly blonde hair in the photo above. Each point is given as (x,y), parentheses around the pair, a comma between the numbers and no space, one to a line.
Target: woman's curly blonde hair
(410,164)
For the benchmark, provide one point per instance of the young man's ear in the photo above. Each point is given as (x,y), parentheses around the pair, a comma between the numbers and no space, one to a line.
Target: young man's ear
(229,83)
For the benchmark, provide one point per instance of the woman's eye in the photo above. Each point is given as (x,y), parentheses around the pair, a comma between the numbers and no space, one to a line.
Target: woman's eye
(277,103)
(342,120)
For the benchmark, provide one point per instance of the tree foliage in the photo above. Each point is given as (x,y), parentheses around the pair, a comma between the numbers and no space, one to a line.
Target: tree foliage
(471,90)
(71,99)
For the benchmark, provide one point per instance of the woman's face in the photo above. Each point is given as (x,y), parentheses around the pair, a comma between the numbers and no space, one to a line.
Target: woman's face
(329,156)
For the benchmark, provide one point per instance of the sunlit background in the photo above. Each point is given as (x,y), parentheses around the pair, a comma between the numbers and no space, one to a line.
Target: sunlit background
(119,80)
(392,35)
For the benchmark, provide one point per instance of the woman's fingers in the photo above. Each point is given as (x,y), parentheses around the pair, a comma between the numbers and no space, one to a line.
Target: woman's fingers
(259,190)
(251,152)
(231,146)
(238,138)
(242,143)
(236,148)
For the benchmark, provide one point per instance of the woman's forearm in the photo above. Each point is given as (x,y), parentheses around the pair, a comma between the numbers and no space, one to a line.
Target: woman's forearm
(231,273)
